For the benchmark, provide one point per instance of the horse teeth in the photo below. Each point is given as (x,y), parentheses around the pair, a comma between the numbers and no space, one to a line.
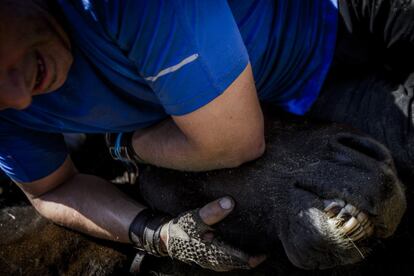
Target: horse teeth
(362,232)
(362,235)
(351,209)
(332,212)
(344,215)
(362,218)
(352,222)
(359,234)
(333,207)
(330,202)
(365,223)
(350,225)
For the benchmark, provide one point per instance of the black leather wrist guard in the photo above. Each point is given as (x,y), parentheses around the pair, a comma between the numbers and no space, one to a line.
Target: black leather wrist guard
(144,232)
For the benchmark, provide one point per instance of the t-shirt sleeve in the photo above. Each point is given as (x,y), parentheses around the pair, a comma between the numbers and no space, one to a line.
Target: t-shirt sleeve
(27,155)
(187,51)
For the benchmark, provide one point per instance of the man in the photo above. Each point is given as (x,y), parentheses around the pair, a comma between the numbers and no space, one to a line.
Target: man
(183,76)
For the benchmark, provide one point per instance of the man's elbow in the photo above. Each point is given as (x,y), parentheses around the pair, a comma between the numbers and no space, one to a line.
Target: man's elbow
(240,152)
(250,151)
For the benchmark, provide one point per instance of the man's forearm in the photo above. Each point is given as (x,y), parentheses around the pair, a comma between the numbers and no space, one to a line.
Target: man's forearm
(166,146)
(90,205)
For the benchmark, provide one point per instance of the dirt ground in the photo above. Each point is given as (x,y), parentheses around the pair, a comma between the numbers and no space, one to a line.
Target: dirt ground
(32,246)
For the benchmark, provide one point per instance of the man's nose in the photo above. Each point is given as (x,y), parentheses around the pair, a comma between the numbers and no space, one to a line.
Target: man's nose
(14,91)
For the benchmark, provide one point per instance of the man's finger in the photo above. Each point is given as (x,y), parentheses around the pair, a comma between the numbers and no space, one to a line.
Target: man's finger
(216,210)
(208,237)
(256,260)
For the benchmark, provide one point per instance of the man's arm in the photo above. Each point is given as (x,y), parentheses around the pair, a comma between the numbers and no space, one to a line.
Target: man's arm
(224,133)
(94,206)
(91,204)
(85,203)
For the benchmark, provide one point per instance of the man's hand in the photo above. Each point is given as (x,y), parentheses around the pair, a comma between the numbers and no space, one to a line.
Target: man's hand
(189,238)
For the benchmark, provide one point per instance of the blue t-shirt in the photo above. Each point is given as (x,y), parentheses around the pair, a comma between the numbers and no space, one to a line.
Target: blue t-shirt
(137,62)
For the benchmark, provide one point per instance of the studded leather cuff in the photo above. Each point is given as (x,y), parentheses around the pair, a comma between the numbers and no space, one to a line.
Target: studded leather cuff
(144,232)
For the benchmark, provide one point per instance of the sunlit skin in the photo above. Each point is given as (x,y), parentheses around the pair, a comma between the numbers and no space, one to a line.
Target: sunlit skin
(35,58)
(28,33)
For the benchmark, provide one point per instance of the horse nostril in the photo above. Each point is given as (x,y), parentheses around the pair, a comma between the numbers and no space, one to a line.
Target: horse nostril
(365,146)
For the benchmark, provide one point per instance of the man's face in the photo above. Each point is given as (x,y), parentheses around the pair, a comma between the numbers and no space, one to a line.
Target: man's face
(35,52)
